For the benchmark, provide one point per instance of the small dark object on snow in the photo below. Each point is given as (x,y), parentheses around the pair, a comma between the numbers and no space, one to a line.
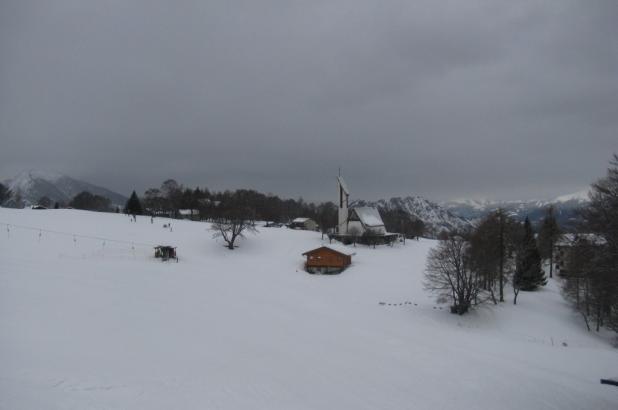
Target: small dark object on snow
(564,344)
(613,382)
(165,252)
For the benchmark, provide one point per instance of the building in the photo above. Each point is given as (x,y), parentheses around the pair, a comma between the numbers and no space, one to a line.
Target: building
(192,214)
(306,224)
(328,259)
(365,219)
(563,246)
(360,223)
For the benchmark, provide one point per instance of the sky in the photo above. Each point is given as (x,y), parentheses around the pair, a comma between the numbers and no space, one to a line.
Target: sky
(444,99)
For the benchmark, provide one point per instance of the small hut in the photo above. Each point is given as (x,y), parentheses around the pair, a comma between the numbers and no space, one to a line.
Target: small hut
(306,224)
(327,259)
(165,252)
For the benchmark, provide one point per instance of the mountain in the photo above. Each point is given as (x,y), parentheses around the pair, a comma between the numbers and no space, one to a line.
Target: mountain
(565,208)
(33,184)
(435,217)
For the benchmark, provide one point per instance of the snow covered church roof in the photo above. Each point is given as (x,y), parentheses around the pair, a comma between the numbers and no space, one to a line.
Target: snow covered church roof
(369,216)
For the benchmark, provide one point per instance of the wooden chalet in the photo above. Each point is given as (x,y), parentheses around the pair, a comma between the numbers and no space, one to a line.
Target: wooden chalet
(327,259)
(165,252)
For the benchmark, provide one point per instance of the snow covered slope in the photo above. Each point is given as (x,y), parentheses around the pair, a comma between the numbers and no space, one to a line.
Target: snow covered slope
(92,321)
(435,217)
(33,184)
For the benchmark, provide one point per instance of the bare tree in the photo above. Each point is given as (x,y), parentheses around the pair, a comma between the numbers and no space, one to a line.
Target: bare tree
(448,274)
(592,268)
(491,251)
(548,236)
(232,226)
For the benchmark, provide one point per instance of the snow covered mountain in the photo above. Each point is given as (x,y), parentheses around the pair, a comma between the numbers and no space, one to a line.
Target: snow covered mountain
(32,185)
(435,217)
(565,207)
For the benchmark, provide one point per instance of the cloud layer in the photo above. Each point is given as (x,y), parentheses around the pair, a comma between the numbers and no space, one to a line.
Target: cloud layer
(446,99)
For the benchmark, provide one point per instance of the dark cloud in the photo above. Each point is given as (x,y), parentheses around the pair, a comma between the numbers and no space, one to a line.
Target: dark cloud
(444,99)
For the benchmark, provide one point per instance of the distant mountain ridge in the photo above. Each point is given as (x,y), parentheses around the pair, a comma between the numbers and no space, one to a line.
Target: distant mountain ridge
(33,185)
(565,208)
(436,217)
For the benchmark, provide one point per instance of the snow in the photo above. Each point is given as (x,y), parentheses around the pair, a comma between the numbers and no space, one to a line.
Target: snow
(300,220)
(23,181)
(188,212)
(369,216)
(581,196)
(93,321)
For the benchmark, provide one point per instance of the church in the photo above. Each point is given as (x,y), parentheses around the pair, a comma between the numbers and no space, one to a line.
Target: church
(358,221)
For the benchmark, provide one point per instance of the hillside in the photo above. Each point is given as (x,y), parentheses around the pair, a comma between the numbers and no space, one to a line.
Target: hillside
(88,319)
(565,207)
(435,217)
(33,184)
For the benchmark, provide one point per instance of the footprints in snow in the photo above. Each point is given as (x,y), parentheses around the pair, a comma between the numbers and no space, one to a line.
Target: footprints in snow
(407,303)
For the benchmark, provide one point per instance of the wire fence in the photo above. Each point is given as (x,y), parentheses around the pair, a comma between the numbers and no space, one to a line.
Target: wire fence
(75,236)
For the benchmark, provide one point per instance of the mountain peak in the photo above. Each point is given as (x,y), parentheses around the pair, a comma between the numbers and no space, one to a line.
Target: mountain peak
(34,184)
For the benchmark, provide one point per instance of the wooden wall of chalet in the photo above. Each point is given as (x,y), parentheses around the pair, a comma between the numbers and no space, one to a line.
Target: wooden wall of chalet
(325,257)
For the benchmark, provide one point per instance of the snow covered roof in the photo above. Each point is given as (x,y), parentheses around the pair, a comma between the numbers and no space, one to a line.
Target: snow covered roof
(369,216)
(188,211)
(337,248)
(569,239)
(343,185)
(300,220)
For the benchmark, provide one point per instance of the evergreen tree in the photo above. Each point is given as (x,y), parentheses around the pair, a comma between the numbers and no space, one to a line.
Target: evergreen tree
(548,235)
(133,206)
(528,272)
(5,193)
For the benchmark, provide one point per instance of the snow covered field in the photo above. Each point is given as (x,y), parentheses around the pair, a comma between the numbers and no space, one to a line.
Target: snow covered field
(91,323)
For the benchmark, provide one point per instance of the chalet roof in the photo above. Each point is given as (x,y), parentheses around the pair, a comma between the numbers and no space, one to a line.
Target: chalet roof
(338,249)
(188,211)
(165,246)
(369,216)
(343,184)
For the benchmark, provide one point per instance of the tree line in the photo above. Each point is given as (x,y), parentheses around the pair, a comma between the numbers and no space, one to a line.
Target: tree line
(591,256)
(470,268)
(474,267)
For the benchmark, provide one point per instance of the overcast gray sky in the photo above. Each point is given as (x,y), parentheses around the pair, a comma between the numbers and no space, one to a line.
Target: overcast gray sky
(446,99)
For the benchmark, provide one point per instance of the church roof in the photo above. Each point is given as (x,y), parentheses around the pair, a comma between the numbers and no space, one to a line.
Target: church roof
(369,216)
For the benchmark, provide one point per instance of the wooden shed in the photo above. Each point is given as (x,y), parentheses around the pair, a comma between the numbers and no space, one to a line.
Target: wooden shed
(327,259)
(165,252)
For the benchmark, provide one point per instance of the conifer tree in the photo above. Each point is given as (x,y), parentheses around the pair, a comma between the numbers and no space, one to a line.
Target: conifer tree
(528,272)
(5,193)
(133,206)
